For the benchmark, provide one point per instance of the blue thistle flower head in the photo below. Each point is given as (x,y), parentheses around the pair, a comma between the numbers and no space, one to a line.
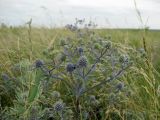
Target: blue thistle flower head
(39,63)
(4,76)
(83,61)
(124,59)
(80,50)
(120,86)
(71,27)
(107,44)
(58,106)
(70,67)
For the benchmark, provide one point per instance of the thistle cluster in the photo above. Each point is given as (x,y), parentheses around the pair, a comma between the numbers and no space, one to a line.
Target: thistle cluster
(71,27)
(80,21)
(90,64)
(76,67)
(82,62)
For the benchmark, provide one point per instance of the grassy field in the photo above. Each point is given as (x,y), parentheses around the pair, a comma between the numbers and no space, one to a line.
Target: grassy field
(15,44)
(25,46)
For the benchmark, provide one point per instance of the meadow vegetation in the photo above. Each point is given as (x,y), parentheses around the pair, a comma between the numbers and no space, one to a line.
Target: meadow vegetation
(81,73)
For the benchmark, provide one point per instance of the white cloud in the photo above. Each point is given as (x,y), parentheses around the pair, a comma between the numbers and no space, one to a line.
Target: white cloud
(120,13)
(101,3)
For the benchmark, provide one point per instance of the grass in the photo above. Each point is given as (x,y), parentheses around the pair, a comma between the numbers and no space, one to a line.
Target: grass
(15,41)
(144,78)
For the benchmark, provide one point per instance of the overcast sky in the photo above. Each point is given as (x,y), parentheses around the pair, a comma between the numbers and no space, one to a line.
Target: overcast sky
(106,13)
